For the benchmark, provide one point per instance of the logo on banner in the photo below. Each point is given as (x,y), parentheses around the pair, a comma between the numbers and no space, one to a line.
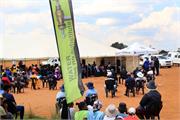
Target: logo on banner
(61,18)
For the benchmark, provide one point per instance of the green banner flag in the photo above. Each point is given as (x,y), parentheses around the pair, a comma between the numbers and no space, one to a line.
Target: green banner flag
(63,20)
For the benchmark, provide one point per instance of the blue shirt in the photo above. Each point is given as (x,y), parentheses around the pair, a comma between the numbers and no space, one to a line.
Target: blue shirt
(98,115)
(90,92)
(1,92)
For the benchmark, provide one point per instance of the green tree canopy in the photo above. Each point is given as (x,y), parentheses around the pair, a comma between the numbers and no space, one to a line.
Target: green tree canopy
(119,45)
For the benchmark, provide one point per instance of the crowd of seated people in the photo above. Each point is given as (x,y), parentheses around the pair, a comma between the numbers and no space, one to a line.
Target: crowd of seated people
(149,107)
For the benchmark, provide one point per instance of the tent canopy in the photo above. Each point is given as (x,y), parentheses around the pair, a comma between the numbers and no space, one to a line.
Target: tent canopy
(89,48)
(136,49)
(29,50)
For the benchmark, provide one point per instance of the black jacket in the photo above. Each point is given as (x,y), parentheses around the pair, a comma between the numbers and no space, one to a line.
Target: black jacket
(151,101)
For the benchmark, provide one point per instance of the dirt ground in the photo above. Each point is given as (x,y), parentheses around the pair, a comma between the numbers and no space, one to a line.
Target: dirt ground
(42,102)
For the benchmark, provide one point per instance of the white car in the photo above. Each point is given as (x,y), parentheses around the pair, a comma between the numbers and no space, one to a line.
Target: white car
(164,61)
(51,61)
(175,57)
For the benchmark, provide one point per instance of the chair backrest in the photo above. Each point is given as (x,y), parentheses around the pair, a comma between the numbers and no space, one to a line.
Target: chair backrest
(110,84)
(139,83)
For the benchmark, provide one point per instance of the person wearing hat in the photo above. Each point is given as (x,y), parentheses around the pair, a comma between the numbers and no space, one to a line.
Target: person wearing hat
(131,114)
(151,103)
(98,115)
(110,112)
(110,84)
(91,90)
(140,80)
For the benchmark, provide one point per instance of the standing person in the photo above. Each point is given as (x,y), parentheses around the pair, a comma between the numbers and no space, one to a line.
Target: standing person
(152,66)
(12,107)
(34,80)
(156,65)
(123,75)
(146,65)
(151,104)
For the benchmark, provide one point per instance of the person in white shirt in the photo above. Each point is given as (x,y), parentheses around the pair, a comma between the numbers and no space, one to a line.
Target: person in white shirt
(59,97)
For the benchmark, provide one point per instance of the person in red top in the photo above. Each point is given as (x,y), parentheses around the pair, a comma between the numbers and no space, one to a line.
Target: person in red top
(131,114)
(5,80)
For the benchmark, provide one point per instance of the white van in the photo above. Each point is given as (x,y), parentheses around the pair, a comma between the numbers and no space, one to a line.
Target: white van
(51,61)
(175,57)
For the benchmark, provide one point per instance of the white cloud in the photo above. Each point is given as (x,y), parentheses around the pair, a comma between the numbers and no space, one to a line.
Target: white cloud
(157,19)
(20,4)
(106,21)
(166,37)
(13,22)
(94,7)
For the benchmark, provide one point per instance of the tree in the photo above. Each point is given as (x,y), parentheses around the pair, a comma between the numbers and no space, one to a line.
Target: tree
(119,45)
(163,52)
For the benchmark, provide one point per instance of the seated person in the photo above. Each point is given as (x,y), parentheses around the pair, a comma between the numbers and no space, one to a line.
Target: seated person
(59,98)
(150,76)
(130,84)
(12,107)
(91,90)
(140,80)
(110,112)
(5,80)
(122,110)
(67,111)
(83,113)
(110,84)
(4,114)
(131,114)
(98,115)
(91,94)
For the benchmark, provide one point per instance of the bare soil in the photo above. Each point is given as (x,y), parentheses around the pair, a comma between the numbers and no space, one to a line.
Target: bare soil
(42,102)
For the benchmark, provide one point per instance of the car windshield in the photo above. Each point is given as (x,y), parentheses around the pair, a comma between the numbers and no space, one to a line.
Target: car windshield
(162,57)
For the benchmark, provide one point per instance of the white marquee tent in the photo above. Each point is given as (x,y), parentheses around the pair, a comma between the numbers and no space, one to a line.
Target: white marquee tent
(87,49)
(135,50)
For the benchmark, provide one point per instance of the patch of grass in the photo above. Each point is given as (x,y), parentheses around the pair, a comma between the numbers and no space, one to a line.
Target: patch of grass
(54,116)
(31,115)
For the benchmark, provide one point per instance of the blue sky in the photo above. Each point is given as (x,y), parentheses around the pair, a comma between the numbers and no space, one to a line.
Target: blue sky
(151,22)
